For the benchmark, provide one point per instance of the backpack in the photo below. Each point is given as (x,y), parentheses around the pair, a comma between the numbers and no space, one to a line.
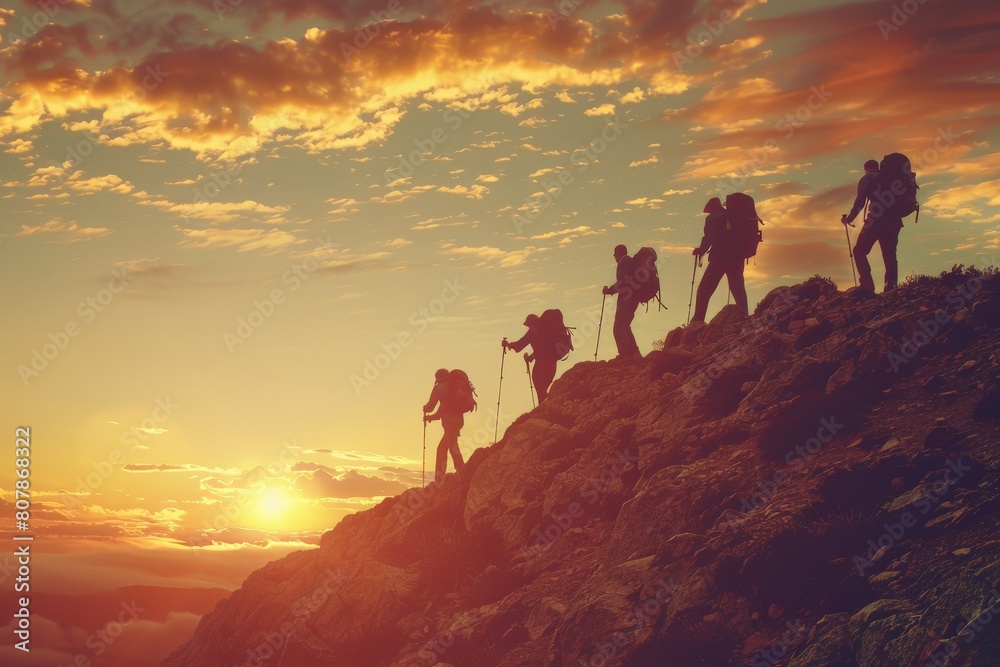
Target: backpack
(459,396)
(744,225)
(896,176)
(645,279)
(555,334)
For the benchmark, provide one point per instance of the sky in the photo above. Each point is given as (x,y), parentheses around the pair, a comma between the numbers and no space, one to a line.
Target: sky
(238,238)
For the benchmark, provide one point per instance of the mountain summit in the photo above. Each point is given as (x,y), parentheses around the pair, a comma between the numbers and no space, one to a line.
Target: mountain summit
(816,485)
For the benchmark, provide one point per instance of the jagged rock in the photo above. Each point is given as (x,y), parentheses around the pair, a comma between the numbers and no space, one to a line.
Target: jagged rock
(732,499)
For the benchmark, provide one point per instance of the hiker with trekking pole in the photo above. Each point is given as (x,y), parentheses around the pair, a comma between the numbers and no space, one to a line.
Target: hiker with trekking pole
(600,324)
(503,358)
(453,395)
(550,341)
(636,282)
(731,238)
(889,189)
(694,273)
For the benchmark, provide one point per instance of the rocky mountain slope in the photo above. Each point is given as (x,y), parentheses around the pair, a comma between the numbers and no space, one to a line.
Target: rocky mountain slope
(815,485)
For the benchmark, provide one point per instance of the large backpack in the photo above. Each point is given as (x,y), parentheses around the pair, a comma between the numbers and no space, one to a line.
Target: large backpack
(645,279)
(459,397)
(555,334)
(895,176)
(744,225)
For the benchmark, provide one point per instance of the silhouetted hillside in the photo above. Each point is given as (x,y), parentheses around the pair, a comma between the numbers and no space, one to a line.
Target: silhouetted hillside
(815,485)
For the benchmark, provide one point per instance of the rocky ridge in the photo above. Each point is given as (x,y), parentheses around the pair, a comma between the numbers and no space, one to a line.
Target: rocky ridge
(815,485)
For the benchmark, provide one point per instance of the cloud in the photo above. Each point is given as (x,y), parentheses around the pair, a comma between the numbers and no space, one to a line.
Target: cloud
(321,484)
(642,163)
(972,202)
(109,183)
(576,231)
(472,192)
(244,240)
(637,95)
(645,202)
(602,110)
(356,263)
(217,212)
(493,256)
(63,231)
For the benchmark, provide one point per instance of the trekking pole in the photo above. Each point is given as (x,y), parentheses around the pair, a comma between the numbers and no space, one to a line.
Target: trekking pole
(599,325)
(850,252)
(691,300)
(531,384)
(500,389)
(423,459)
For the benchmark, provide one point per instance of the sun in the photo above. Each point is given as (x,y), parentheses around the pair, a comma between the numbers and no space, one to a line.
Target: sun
(273,505)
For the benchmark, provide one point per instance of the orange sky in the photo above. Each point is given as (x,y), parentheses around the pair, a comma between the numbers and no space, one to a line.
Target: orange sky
(237,242)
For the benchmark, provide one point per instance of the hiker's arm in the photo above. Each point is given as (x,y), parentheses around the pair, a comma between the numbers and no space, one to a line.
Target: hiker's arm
(518,345)
(865,190)
(703,247)
(622,274)
(434,399)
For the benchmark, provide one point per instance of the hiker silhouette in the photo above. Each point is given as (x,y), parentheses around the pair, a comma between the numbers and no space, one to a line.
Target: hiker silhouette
(628,302)
(889,190)
(549,340)
(723,260)
(452,416)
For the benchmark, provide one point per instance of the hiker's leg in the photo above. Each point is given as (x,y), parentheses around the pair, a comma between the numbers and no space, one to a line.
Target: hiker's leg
(633,346)
(736,285)
(453,427)
(709,281)
(888,240)
(624,314)
(544,371)
(441,466)
(622,328)
(863,246)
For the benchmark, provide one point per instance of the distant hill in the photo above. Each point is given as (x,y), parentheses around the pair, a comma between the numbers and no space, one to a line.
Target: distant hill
(816,485)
